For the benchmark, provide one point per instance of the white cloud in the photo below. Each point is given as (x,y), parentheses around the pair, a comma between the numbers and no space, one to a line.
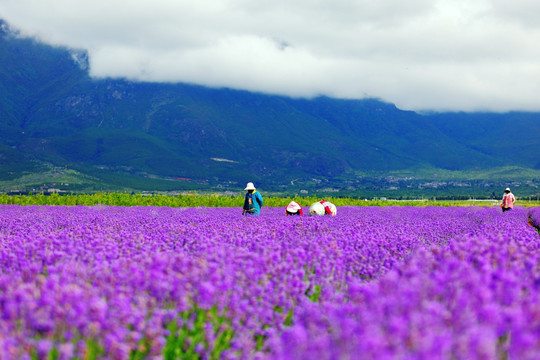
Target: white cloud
(419,54)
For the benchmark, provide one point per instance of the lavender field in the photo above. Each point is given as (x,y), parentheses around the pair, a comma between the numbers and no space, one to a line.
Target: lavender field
(374,282)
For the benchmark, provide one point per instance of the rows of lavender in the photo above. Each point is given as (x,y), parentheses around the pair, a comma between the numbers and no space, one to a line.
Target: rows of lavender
(152,283)
(534,217)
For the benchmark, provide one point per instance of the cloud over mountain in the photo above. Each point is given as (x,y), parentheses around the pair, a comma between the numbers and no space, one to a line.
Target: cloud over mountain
(421,54)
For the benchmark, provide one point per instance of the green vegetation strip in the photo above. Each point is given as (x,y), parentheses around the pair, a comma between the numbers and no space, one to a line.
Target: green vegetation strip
(194,200)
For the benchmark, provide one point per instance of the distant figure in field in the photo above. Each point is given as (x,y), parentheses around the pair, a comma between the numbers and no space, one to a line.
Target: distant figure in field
(294,208)
(323,207)
(253,201)
(508,200)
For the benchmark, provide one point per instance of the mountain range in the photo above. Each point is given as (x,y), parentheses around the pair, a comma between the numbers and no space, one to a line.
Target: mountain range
(61,128)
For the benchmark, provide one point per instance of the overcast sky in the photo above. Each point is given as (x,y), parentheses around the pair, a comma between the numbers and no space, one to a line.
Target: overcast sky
(418,54)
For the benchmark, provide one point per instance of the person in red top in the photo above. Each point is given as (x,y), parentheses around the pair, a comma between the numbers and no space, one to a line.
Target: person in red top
(508,200)
(329,208)
(294,208)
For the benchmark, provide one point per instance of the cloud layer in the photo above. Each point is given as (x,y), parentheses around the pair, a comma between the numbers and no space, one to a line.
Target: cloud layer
(419,54)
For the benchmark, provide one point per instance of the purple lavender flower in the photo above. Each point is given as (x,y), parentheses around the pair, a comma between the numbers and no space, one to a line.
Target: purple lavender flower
(393,282)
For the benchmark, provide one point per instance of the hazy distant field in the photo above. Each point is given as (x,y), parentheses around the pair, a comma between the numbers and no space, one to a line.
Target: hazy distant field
(124,199)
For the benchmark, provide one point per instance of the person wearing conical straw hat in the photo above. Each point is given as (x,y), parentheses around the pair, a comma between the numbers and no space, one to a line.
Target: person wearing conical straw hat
(508,200)
(253,201)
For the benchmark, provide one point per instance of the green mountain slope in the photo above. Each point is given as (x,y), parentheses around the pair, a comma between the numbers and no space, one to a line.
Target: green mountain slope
(178,136)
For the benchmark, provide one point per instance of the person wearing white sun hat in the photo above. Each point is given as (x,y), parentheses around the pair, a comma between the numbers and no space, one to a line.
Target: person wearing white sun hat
(294,208)
(323,207)
(253,201)
(508,200)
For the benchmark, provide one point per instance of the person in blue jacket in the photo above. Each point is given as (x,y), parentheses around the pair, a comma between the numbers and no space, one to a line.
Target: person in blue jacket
(253,201)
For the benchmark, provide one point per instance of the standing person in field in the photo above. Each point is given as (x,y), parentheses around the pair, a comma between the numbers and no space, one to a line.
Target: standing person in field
(508,200)
(253,201)
(294,208)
